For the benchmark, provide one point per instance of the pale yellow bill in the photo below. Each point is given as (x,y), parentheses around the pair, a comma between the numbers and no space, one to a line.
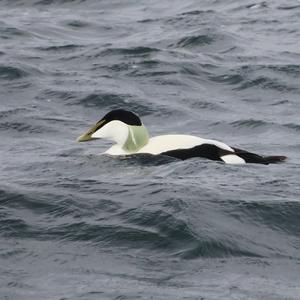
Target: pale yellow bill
(88,135)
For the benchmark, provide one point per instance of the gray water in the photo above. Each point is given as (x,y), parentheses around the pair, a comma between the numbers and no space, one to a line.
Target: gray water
(77,225)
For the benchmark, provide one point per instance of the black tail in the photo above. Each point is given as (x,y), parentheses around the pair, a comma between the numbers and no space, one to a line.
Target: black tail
(258,159)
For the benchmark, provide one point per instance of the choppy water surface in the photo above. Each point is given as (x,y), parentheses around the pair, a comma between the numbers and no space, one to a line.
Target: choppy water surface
(76,225)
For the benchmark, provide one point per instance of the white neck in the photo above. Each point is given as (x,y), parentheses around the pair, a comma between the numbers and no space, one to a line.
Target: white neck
(128,138)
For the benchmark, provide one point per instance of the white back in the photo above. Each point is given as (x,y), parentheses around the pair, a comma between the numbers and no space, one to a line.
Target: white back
(163,143)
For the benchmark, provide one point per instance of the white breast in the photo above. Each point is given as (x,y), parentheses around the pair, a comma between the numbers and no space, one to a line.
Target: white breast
(163,143)
(115,150)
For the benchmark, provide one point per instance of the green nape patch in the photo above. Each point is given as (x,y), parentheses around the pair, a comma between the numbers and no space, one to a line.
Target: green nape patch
(137,138)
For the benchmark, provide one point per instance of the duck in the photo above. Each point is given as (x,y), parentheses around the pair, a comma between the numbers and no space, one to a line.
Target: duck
(130,136)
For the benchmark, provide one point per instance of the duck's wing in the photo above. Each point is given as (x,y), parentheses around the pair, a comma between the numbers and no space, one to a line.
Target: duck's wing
(164,143)
(205,150)
(213,152)
(209,151)
(188,146)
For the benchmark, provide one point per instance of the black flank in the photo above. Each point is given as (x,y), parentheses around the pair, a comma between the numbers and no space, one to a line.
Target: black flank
(205,150)
(213,152)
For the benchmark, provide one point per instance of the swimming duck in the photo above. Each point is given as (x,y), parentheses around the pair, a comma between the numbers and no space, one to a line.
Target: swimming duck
(131,137)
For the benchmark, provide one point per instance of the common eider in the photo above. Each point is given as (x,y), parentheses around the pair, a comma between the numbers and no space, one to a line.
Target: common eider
(131,137)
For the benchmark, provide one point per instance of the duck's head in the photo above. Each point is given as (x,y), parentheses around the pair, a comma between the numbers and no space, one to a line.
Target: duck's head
(121,126)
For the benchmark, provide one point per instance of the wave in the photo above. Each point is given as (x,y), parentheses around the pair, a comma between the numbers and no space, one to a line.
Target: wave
(133,51)
(249,76)
(197,12)
(267,83)
(197,40)
(22,120)
(109,101)
(281,217)
(57,2)
(62,48)
(293,126)
(22,127)
(250,123)
(231,79)
(77,24)
(11,73)
(226,71)
(13,112)
(288,7)
(155,230)
(259,124)
(173,227)
(7,32)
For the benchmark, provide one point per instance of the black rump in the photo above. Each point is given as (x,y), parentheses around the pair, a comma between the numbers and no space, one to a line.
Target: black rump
(258,159)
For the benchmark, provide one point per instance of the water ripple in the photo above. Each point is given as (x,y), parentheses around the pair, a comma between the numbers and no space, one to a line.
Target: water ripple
(11,73)
(193,41)
(148,226)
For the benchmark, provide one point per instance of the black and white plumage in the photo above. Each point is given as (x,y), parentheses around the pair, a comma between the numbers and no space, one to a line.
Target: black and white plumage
(131,137)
